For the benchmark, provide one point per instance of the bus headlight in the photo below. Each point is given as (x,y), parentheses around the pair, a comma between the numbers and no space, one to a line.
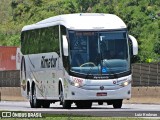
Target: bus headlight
(123,84)
(76,84)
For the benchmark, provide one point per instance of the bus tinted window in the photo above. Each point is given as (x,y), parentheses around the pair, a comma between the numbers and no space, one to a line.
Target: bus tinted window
(40,40)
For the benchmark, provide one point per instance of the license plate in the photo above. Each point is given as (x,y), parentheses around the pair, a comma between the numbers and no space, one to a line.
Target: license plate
(102,94)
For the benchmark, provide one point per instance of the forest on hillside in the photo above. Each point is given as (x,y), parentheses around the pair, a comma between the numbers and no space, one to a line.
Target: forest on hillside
(141,16)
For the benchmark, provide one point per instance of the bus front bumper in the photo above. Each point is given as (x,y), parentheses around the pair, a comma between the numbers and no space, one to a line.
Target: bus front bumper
(75,93)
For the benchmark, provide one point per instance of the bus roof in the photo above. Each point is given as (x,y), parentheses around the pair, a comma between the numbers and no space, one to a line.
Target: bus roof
(81,21)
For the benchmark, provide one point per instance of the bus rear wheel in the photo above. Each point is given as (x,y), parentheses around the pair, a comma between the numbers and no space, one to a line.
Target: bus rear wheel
(117,103)
(33,99)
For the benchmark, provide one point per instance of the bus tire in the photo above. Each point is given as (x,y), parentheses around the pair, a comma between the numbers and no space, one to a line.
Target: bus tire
(117,103)
(65,103)
(34,103)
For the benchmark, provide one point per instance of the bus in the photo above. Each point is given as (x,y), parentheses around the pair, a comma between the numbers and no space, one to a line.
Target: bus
(77,58)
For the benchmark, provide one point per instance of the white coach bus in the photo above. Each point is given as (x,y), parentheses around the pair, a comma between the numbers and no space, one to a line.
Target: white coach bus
(77,58)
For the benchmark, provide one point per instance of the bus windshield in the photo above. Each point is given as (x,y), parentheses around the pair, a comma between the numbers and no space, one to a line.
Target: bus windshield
(99,52)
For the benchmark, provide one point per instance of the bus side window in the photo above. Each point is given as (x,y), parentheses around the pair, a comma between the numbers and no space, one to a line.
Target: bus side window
(27,43)
(56,40)
(22,42)
(43,46)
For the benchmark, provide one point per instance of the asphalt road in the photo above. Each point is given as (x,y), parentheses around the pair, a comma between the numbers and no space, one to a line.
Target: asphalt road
(127,110)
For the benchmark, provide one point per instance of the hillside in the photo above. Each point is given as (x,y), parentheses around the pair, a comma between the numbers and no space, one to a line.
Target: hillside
(141,16)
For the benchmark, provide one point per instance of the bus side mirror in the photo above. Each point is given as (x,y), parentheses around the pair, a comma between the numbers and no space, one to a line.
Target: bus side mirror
(65,45)
(134,44)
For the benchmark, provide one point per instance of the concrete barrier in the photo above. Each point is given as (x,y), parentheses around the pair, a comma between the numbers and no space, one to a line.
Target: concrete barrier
(11,93)
(146,92)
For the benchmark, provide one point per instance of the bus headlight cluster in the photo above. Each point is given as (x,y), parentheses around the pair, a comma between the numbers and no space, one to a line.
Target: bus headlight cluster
(125,83)
(76,84)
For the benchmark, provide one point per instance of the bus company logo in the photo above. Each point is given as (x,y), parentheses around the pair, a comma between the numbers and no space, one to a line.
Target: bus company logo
(48,62)
(101,87)
(77,80)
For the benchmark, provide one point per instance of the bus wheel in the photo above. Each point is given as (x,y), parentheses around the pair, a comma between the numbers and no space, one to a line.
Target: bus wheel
(117,103)
(65,103)
(33,99)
